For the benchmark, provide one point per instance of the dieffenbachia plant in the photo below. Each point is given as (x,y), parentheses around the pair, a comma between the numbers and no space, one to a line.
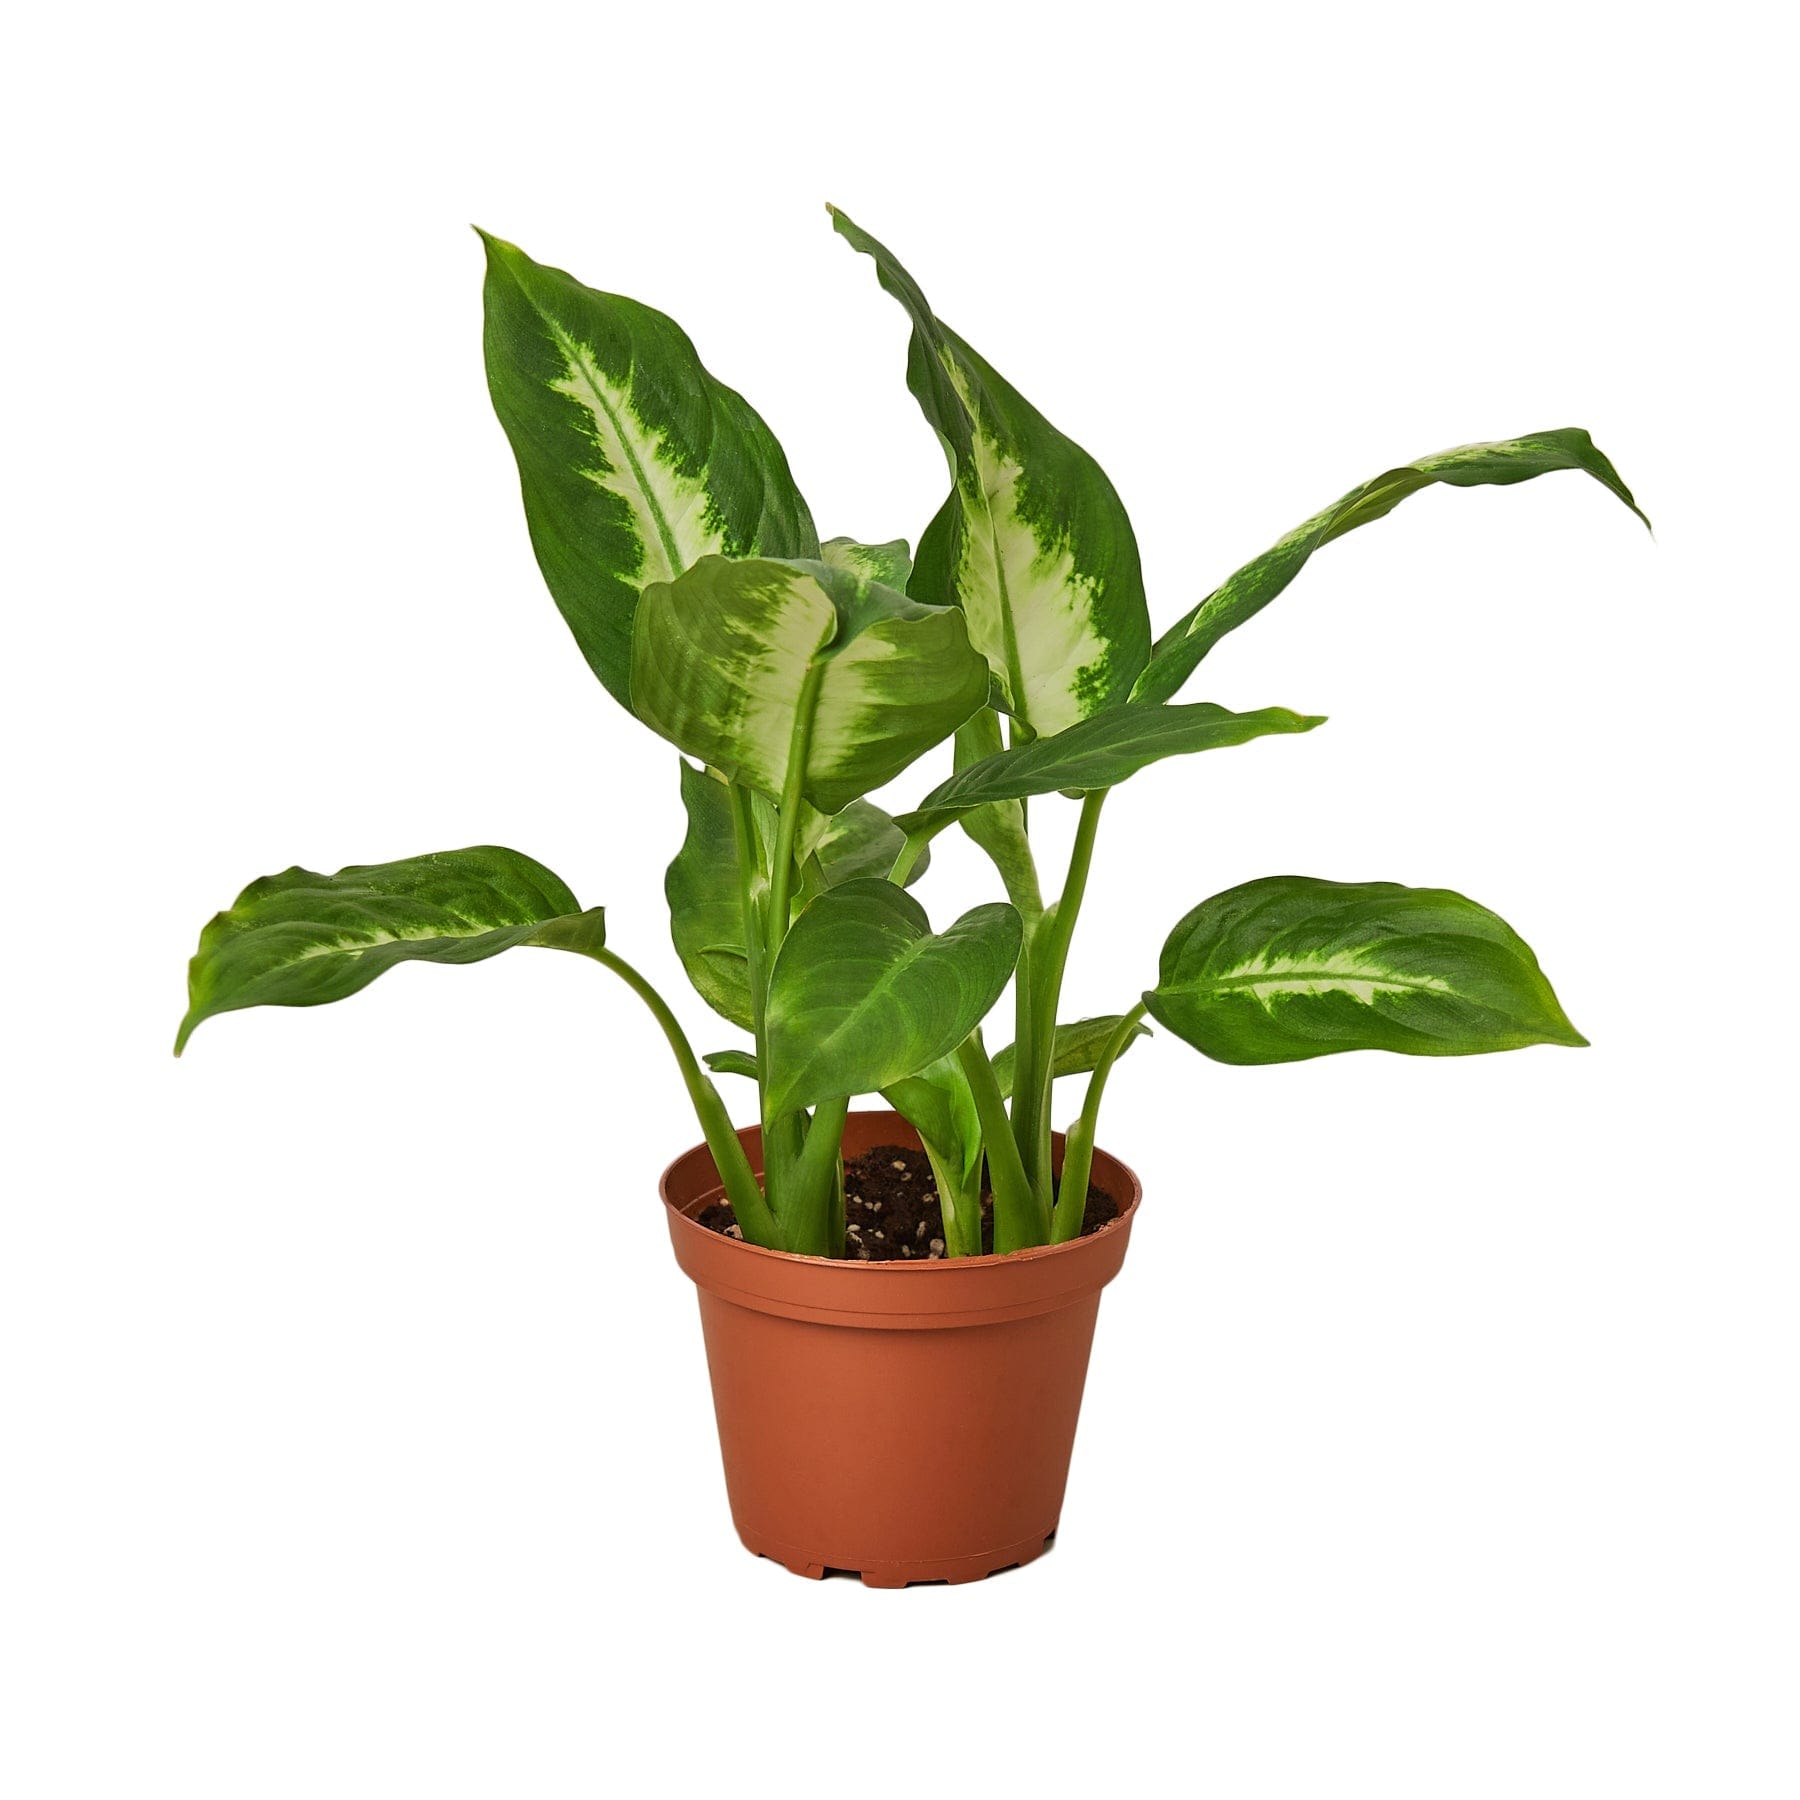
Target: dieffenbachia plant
(796,677)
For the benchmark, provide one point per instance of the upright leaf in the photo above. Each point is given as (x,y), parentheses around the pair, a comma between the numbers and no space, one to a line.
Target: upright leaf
(1033,542)
(861,841)
(1290,967)
(1179,650)
(754,665)
(301,939)
(1098,753)
(889,563)
(863,994)
(634,461)
(706,915)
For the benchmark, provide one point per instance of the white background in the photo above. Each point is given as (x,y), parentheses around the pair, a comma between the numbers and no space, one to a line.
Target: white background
(1441,1433)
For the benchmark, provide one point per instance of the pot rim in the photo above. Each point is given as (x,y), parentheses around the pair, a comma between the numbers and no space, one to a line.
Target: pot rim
(751,1135)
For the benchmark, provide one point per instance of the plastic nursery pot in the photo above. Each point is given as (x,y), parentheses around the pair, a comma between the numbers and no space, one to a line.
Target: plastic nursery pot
(904,1421)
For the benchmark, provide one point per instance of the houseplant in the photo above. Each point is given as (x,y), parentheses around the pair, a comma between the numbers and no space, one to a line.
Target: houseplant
(861,1383)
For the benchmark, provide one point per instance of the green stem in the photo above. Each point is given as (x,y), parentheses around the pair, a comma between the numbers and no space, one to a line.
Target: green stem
(1078,1149)
(809,1201)
(1046,957)
(781,873)
(911,851)
(1019,1219)
(715,1122)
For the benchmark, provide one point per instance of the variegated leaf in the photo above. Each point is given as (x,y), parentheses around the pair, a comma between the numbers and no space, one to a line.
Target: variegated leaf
(889,563)
(755,665)
(301,939)
(1033,543)
(1290,967)
(634,461)
(864,994)
(1180,650)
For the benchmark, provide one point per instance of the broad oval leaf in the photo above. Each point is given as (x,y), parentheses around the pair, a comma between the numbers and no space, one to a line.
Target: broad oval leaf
(751,665)
(861,841)
(863,993)
(301,938)
(1099,753)
(1076,1051)
(633,460)
(1291,967)
(1033,543)
(1179,650)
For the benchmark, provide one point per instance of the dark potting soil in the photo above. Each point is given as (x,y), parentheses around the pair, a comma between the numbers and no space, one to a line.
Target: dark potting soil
(892,1212)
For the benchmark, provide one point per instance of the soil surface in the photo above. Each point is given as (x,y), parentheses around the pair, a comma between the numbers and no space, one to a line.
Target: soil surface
(892,1212)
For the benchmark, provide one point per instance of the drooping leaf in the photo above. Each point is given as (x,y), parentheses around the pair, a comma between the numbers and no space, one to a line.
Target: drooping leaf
(889,563)
(748,665)
(1077,1049)
(301,939)
(1033,542)
(864,994)
(1179,651)
(633,460)
(1291,967)
(731,1062)
(1099,753)
(706,916)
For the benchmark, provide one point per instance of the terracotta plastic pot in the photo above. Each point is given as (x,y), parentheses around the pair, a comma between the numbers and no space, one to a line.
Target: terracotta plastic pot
(906,1421)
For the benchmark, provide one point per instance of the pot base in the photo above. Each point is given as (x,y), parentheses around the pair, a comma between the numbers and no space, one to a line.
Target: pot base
(951,1571)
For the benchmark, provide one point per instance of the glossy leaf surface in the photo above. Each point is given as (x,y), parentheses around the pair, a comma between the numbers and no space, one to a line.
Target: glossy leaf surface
(301,938)
(864,993)
(1291,967)
(634,462)
(1033,543)
(1077,1049)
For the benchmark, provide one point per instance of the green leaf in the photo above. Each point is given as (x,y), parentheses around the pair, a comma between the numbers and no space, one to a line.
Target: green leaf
(1077,1049)
(1290,967)
(1179,650)
(634,461)
(1033,542)
(755,665)
(1098,753)
(860,842)
(301,939)
(940,1106)
(889,563)
(706,917)
(731,1062)
(863,994)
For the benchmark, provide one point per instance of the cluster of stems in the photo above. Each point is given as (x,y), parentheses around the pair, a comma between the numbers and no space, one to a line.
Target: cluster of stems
(798,1203)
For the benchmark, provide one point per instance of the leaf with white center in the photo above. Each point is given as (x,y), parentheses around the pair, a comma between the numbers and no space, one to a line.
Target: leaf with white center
(889,563)
(1033,542)
(1179,651)
(757,666)
(1290,967)
(633,460)
(301,939)
(1098,753)
(1077,1049)
(864,994)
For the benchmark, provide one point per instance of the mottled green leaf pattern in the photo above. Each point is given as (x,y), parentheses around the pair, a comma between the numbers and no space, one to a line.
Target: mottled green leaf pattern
(1180,650)
(1033,543)
(751,665)
(864,994)
(1291,967)
(301,938)
(889,563)
(633,460)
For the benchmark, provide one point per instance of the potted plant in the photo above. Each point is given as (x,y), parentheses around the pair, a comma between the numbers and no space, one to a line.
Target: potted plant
(898,1304)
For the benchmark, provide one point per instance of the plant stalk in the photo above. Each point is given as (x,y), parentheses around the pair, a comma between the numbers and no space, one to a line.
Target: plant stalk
(1019,1219)
(1078,1147)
